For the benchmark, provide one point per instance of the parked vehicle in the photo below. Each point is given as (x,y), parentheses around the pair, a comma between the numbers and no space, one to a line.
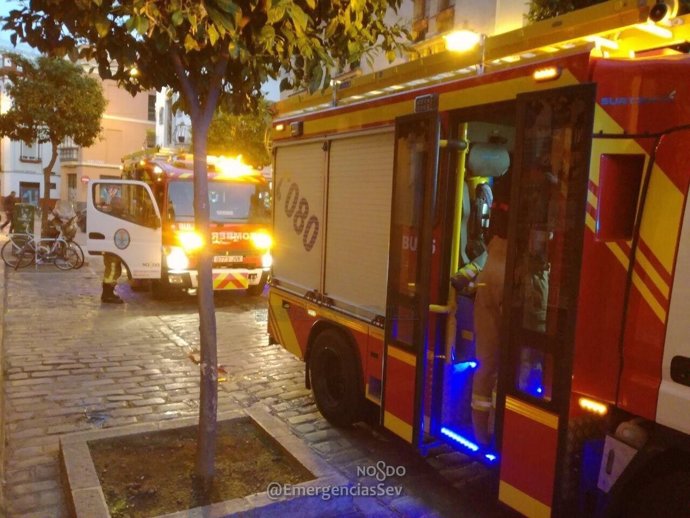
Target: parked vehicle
(156,237)
(376,185)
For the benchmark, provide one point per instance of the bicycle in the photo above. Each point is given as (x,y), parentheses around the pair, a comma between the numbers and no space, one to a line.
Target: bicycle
(23,249)
(67,229)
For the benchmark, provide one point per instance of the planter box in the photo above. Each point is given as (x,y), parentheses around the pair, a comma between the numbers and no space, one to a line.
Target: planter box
(85,497)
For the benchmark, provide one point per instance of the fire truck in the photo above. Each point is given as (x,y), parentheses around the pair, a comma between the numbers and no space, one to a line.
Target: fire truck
(378,206)
(155,235)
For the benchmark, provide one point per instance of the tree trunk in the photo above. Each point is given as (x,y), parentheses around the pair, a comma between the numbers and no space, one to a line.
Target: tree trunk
(208,404)
(45,201)
(201,115)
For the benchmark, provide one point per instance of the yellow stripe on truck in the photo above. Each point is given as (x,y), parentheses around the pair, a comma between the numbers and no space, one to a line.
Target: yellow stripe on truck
(283,325)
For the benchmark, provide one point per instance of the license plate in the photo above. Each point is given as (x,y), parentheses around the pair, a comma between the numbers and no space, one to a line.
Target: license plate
(228,259)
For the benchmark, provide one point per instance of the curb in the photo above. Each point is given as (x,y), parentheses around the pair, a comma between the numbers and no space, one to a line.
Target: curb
(3,305)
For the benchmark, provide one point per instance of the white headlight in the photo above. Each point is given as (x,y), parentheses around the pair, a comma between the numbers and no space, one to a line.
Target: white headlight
(177,259)
(267,260)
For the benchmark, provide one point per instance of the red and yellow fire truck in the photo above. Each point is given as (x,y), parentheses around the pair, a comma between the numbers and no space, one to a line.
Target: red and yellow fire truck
(376,211)
(155,234)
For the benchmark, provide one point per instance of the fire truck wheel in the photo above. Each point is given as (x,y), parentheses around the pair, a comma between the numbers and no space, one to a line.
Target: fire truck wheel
(256,289)
(335,379)
(160,289)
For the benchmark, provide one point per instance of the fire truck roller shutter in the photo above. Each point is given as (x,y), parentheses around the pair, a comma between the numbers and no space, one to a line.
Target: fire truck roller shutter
(300,172)
(360,180)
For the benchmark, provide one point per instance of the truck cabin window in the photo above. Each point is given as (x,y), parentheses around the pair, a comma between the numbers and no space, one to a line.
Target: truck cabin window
(229,202)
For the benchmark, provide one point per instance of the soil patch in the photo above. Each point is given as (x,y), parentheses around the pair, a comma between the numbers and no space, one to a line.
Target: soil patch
(151,474)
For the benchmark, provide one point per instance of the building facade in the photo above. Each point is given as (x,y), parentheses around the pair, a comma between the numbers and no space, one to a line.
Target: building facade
(431,19)
(128,124)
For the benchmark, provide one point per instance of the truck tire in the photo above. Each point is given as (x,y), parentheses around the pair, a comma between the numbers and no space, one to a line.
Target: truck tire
(139,285)
(258,289)
(160,288)
(335,379)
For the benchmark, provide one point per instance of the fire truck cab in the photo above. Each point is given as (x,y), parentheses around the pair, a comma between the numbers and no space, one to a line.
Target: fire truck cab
(155,235)
(383,205)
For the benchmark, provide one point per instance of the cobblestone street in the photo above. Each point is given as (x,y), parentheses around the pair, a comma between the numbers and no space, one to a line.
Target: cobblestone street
(72,364)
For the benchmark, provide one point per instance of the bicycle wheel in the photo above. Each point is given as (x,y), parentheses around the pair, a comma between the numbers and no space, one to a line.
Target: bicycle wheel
(17,253)
(75,246)
(67,259)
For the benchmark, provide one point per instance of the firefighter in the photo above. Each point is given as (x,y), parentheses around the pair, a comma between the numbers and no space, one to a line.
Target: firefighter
(111,262)
(487,313)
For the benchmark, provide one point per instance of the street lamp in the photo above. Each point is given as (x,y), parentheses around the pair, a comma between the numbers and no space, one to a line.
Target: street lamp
(465,40)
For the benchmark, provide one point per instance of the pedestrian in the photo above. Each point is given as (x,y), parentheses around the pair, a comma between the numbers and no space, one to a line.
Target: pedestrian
(488,314)
(9,203)
(111,262)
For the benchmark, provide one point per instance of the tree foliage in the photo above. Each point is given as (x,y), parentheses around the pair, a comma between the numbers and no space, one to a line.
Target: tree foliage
(302,41)
(52,100)
(214,53)
(245,135)
(543,9)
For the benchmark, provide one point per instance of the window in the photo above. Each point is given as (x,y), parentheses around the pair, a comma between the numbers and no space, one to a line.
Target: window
(30,152)
(229,201)
(71,181)
(68,150)
(152,107)
(127,202)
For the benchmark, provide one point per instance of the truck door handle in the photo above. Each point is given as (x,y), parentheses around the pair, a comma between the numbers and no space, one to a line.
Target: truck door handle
(96,235)
(680,370)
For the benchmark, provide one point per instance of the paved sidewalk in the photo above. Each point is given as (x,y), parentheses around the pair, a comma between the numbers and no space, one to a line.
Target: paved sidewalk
(71,364)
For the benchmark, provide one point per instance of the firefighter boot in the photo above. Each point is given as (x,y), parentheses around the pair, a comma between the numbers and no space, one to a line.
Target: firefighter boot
(108,294)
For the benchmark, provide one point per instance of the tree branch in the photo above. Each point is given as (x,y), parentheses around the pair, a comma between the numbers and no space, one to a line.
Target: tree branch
(185,84)
(214,89)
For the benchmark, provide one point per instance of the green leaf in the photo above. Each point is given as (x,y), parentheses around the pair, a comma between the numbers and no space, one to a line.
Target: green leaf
(102,27)
(299,18)
(190,43)
(228,6)
(275,14)
(222,20)
(142,25)
(331,27)
(212,34)
(177,18)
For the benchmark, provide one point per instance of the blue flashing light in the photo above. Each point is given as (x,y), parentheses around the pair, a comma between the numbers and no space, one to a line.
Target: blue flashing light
(463,366)
(490,457)
(459,439)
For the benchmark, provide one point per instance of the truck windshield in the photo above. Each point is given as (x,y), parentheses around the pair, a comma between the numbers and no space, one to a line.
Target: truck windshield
(229,202)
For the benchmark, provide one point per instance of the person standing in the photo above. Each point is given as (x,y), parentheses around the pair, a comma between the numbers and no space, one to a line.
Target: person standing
(488,314)
(9,202)
(111,262)
(111,273)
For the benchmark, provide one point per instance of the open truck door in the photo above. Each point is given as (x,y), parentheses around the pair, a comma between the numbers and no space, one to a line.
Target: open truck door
(409,273)
(123,219)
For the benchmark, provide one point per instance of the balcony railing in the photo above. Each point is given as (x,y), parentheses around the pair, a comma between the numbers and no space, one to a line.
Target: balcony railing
(69,154)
